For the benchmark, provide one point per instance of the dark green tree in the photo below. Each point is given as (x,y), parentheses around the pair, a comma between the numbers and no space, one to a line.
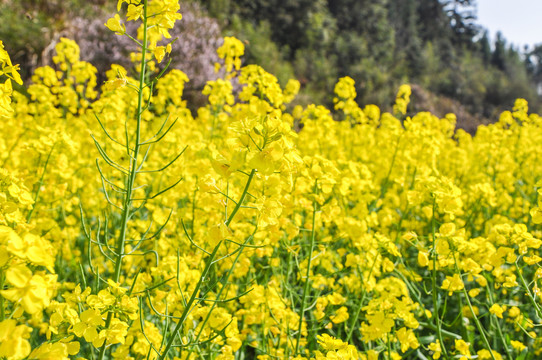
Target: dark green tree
(498,58)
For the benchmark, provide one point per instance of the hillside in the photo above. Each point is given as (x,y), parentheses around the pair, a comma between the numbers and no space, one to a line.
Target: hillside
(435,45)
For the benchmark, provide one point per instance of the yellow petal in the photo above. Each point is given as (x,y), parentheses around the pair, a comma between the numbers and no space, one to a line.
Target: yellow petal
(18,276)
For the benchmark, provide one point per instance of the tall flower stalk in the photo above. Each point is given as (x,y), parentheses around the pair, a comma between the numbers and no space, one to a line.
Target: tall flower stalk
(134,145)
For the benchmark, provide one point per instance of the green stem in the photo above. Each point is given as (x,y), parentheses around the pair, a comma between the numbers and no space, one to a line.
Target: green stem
(434,294)
(445,332)
(241,199)
(40,184)
(360,305)
(193,297)
(498,325)
(478,324)
(385,183)
(529,294)
(188,306)
(208,316)
(307,277)
(476,320)
(133,172)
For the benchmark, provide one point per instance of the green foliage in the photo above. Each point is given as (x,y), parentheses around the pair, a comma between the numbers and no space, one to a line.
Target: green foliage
(436,44)
(381,43)
(21,33)
(27,27)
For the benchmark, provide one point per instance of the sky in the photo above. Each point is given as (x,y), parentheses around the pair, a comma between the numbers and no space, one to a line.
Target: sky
(520,21)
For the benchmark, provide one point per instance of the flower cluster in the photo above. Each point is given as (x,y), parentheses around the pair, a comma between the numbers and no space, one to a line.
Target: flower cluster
(11,72)
(132,227)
